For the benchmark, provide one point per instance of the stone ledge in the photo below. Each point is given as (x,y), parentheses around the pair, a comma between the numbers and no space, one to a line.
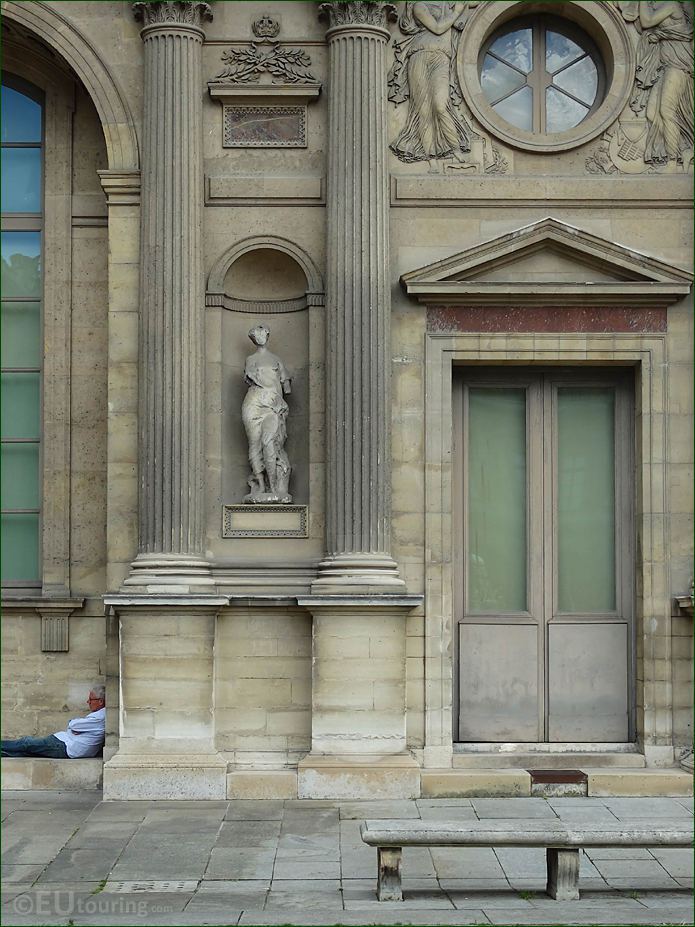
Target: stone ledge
(638,782)
(262,783)
(476,783)
(43,773)
(358,776)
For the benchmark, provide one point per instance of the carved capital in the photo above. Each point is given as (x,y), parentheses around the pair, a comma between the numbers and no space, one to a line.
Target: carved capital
(172,12)
(358,13)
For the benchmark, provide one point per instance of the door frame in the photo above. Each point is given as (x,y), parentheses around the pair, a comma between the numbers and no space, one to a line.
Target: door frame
(540,383)
(646,353)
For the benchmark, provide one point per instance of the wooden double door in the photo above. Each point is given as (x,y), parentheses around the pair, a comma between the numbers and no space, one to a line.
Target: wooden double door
(544,489)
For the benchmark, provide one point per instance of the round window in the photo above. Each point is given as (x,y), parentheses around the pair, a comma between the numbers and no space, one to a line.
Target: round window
(542,75)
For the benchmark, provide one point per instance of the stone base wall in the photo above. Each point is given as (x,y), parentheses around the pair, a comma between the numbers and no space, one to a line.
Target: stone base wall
(263,685)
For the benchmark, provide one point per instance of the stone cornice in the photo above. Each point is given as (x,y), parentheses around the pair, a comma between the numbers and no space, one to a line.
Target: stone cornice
(172,12)
(358,13)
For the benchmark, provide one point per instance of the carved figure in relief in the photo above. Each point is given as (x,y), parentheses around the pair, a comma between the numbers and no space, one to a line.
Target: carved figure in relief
(424,74)
(664,79)
(264,414)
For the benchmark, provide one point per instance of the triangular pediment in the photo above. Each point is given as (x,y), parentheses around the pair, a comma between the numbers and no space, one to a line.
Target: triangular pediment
(549,261)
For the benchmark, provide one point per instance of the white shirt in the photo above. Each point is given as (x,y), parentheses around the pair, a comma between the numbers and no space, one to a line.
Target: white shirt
(84,736)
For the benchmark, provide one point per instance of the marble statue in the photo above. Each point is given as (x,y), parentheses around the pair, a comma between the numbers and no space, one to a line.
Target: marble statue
(264,413)
(424,75)
(664,79)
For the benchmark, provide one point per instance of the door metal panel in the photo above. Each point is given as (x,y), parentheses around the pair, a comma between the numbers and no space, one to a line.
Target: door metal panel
(587,682)
(498,681)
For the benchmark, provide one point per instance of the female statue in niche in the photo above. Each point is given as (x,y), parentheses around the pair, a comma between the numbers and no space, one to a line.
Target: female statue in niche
(424,74)
(664,79)
(264,414)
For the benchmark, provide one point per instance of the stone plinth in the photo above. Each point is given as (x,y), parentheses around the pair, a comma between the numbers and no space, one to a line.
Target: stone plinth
(166,744)
(358,738)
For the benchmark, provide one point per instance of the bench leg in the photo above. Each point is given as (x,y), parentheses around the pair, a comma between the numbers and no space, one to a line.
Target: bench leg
(389,882)
(563,874)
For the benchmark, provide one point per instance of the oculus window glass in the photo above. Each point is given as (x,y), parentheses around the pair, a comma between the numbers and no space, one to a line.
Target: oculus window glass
(542,75)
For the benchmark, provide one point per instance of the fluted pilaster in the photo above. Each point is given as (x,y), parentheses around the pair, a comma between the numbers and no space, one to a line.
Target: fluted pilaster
(171,411)
(358,301)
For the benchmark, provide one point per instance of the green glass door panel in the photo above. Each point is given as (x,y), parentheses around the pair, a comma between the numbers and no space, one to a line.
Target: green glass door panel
(19,540)
(21,180)
(20,476)
(20,405)
(496,500)
(586,500)
(21,264)
(21,334)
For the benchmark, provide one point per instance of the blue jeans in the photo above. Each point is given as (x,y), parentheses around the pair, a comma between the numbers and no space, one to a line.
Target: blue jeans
(34,746)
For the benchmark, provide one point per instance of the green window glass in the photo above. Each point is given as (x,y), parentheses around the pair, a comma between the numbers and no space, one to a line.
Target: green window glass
(22,348)
(497,499)
(586,500)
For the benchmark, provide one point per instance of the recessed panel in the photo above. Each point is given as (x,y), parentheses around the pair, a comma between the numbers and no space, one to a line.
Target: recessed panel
(588,682)
(498,682)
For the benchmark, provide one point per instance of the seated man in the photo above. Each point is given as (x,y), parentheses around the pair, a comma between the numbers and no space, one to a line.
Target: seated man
(84,736)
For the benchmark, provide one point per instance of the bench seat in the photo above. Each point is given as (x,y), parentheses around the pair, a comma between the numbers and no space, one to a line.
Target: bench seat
(561,840)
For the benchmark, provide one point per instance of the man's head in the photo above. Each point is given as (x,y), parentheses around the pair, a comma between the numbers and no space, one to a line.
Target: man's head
(97,698)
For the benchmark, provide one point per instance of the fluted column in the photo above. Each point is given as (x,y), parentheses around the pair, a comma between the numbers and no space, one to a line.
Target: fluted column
(171,366)
(358,516)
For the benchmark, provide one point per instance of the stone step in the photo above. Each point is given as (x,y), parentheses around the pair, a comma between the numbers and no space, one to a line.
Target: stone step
(637,782)
(29,772)
(547,760)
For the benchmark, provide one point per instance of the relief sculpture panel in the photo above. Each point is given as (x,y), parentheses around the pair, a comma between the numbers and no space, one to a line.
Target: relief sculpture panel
(438,127)
(657,135)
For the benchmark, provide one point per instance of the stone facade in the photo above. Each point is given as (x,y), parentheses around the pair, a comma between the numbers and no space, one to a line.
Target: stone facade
(336,173)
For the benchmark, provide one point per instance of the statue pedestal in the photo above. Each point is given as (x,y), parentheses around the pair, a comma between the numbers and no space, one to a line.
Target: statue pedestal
(265,521)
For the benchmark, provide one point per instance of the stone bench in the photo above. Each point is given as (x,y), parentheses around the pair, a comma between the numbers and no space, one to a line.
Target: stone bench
(561,841)
(38,772)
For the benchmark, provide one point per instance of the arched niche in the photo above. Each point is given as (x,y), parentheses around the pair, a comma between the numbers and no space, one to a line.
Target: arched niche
(265,280)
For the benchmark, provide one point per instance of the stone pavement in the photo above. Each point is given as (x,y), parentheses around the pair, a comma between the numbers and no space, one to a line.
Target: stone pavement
(68,858)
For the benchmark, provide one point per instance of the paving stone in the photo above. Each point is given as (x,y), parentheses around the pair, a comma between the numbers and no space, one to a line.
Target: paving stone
(627,809)
(119,811)
(678,862)
(415,900)
(448,813)
(574,916)
(629,868)
(18,848)
(303,901)
(103,834)
(21,872)
(466,863)
(238,863)
(182,822)
(378,810)
(164,859)
(533,808)
(232,886)
(599,853)
(248,834)
(269,809)
(306,869)
(688,803)
(326,886)
(478,886)
(464,900)
(643,883)
(397,914)
(80,865)
(309,804)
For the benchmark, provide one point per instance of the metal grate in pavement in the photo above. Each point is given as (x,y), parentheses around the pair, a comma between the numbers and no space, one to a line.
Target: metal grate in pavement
(151,885)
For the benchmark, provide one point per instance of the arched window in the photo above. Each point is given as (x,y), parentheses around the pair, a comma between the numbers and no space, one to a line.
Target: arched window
(22,342)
